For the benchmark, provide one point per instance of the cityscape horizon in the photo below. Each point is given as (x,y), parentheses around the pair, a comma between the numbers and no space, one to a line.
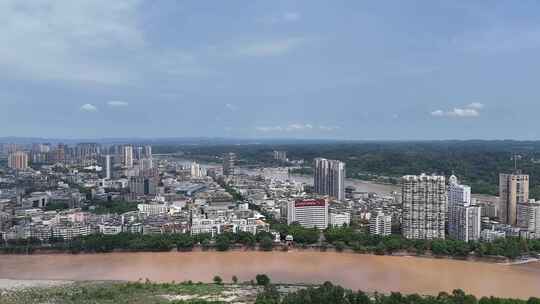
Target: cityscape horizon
(269,152)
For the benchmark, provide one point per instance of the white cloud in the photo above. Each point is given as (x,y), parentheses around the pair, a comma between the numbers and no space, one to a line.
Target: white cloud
(329,128)
(296,127)
(475,105)
(269,48)
(88,108)
(470,110)
(85,42)
(53,40)
(437,113)
(457,112)
(269,129)
(117,103)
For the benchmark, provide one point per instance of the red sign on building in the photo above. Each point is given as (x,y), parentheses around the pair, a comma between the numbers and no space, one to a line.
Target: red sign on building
(312,202)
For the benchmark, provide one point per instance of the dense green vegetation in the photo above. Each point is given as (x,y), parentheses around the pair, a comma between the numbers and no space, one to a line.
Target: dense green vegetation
(340,238)
(363,242)
(328,293)
(301,235)
(160,293)
(98,243)
(113,293)
(477,163)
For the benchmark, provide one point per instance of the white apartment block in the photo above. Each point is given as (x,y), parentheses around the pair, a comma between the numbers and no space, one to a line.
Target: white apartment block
(196,170)
(127,156)
(153,209)
(490,235)
(464,220)
(340,219)
(528,217)
(329,178)
(108,229)
(308,213)
(424,201)
(380,223)
(71,231)
(458,194)
(202,226)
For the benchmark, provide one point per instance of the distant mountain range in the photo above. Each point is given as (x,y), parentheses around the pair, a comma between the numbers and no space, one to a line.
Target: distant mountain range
(162,141)
(241,141)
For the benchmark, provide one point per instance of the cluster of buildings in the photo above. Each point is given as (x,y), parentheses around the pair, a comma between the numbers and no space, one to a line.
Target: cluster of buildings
(65,199)
(49,192)
(431,206)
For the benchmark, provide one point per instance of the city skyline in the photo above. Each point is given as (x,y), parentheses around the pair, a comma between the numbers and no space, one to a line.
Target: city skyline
(281,70)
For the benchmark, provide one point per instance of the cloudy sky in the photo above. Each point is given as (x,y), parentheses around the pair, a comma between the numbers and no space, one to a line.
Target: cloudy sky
(281,68)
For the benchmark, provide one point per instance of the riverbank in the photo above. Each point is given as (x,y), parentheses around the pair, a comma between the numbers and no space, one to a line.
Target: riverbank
(307,248)
(13,285)
(97,292)
(196,293)
(263,291)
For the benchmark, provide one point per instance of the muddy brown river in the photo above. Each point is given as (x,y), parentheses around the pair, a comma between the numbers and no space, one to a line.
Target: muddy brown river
(355,271)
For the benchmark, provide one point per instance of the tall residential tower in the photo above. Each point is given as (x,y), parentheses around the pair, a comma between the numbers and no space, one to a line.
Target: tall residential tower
(18,160)
(329,178)
(127,156)
(424,200)
(228,164)
(464,219)
(513,190)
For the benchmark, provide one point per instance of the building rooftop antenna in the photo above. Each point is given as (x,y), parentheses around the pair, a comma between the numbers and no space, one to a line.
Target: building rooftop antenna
(516,157)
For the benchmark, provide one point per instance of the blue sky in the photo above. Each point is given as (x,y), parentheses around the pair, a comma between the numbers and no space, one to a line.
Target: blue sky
(270,69)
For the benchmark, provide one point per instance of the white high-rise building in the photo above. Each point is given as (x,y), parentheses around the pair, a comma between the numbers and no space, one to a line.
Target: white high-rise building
(147,151)
(146,164)
(139,153)
(329,178)
(229,164)
(424,200)
(458,194)
(528,216)
(196,170)
(308,213)
(106,164)
(464,220)
(380,223)
(280,155)
(127,156)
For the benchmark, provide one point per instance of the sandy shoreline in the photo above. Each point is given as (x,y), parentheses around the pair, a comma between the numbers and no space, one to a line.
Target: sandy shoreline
(13,284)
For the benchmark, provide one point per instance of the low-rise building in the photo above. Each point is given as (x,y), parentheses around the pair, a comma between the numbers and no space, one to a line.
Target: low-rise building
(490,235)
(340,219)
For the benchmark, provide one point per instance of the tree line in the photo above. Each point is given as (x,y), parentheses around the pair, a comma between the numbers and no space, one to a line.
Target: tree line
(339,238)
(346,237)
(100,243)
(329,293)
(477,163)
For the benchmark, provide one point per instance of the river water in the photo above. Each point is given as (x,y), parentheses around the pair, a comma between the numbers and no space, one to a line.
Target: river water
(355,271)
